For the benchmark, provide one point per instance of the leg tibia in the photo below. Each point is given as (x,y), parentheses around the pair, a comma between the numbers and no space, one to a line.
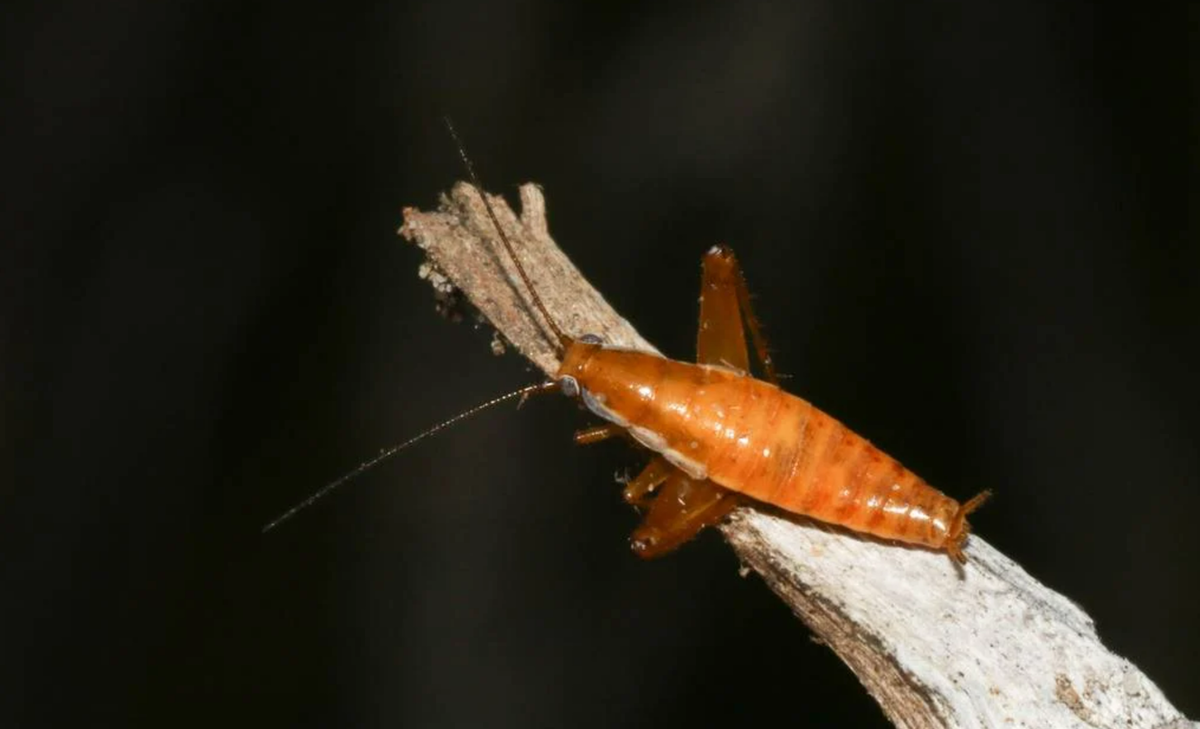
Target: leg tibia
(655,472)
(595,434)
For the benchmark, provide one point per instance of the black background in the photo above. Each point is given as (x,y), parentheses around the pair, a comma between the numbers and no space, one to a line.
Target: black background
(972,237)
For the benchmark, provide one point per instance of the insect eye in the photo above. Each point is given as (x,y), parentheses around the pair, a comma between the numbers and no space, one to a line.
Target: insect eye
(591,339)
(570,386)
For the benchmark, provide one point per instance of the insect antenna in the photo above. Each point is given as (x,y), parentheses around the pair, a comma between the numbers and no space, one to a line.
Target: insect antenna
(563,340)
(387,453)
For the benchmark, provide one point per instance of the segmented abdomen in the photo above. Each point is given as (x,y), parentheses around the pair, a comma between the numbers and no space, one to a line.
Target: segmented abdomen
(749,436)
(820,468)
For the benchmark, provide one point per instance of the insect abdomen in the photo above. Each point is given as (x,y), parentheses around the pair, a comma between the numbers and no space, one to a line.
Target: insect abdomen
(842,479)
(788,453)
(749,436)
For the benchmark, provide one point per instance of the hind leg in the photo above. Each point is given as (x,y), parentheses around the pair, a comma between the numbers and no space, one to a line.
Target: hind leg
(724,308)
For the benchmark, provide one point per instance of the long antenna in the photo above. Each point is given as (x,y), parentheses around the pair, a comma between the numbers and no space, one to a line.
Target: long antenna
(387,453)
(563,340)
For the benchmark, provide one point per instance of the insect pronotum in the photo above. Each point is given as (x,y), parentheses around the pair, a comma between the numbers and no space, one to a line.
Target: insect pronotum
(721,436)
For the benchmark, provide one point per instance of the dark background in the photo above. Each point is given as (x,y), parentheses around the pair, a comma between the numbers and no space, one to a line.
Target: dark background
(972,234)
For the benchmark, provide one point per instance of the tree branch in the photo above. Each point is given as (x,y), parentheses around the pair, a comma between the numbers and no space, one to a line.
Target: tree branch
(935,645)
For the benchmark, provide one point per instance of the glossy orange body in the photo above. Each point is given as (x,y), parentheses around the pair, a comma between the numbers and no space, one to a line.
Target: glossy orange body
(751,437)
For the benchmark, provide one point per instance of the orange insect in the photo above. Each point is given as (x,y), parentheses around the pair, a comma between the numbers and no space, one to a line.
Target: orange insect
(721,435)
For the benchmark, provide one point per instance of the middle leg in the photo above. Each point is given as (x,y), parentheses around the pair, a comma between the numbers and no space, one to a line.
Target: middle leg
(683,508)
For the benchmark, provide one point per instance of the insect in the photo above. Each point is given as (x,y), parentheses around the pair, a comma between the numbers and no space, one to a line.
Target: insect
(719,435)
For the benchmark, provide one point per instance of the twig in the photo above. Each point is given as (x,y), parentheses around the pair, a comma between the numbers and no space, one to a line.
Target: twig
(937,646)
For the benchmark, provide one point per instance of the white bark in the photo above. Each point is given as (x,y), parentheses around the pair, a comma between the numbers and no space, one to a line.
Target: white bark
(936,645)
